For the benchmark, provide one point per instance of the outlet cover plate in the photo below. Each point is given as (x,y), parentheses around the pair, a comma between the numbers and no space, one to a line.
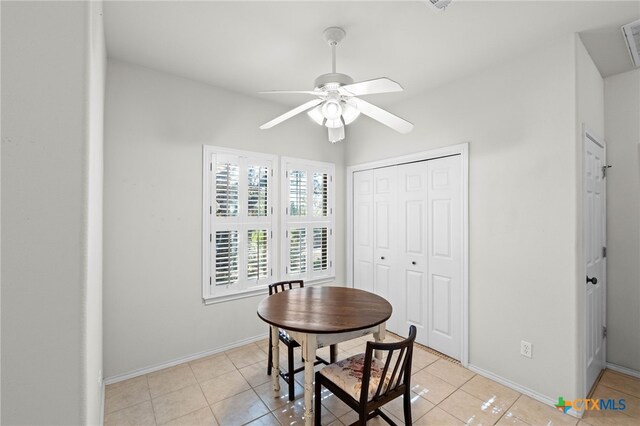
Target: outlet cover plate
(526,349)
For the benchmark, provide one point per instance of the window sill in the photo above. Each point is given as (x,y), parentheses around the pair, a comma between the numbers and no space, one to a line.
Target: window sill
(259,292)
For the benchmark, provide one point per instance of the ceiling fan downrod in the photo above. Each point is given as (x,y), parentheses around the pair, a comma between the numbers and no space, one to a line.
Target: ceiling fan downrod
(333,36)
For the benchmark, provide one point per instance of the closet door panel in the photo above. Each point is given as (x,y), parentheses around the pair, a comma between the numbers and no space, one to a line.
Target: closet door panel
(363,277)
(412,226)
(445,255)
(385,256)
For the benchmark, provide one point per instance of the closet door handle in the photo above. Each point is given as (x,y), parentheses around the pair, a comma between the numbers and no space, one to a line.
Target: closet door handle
(382,257)
(413,263)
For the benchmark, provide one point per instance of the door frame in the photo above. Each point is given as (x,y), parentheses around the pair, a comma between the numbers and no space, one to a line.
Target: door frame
(588,134)
(459,149)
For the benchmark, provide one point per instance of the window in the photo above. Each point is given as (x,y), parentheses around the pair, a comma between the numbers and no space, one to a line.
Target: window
(307,219)
(241,209)
(238,221)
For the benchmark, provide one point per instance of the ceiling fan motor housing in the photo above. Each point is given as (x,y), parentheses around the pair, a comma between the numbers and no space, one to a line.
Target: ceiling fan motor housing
(332,80)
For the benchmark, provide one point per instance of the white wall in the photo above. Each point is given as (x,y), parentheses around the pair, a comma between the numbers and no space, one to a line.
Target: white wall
(590,113)
(155,126)
(622,118)
(50,163)
(519,117)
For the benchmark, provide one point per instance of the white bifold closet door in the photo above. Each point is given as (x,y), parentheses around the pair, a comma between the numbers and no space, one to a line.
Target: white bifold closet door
(408,246)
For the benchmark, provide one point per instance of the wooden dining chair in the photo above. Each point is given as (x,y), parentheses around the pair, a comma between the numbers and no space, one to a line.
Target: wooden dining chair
(366,383)
(289,342)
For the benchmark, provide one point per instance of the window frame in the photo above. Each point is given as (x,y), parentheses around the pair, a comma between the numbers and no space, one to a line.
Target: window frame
(288,222)
(278,199)
(211,294)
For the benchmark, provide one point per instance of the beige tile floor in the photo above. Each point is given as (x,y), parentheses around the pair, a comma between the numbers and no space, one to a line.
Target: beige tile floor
(232,388)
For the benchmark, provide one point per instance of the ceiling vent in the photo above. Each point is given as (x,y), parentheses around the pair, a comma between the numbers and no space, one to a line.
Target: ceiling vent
(631,34)
(439,4)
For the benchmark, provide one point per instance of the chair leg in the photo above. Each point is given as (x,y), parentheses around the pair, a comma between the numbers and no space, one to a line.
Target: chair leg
(406,399)
(318,406)
(363,416)
(270,362)
(291,376)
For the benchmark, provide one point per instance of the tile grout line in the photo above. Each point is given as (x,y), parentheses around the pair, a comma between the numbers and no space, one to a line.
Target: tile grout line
(615,389)
(130,405)
(153,408)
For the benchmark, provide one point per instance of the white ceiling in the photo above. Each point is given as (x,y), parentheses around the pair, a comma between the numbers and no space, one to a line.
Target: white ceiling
(608,49)
(251,46)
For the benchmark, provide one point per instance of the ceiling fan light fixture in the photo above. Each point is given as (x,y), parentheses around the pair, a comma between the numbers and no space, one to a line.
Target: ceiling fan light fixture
(336,134)
(316,115)
(331,109)
(334,124)
(349,113)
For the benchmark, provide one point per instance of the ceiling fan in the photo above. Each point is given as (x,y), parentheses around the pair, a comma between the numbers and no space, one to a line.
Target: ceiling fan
(337,103)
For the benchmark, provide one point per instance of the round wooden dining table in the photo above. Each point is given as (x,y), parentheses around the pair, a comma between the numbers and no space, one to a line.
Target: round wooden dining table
(321,316)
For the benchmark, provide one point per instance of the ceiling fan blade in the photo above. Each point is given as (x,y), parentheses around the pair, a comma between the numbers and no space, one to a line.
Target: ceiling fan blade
(396,123)
(302,108)
(370,87)
(304,92)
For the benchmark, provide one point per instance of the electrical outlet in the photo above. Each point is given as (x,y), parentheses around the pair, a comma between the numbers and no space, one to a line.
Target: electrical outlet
(526,349)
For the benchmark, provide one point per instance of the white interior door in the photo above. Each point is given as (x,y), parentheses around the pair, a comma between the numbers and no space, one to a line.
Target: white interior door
(412,225)
(444,280)
(595,241)
(363,237)
(385,253)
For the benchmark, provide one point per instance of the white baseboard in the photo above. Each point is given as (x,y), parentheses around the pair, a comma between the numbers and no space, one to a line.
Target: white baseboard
(623,370)
(181,360)
(522,389)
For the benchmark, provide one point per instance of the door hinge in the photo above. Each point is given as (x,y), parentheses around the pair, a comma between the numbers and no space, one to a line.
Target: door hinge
(210,237)
(270,234)
(604,332)
(286,234)
(271,210)
(210,209)
(330,231)
(286,269)
(209,280)
(211,166)
(271,271)
(604,252)
(604,170)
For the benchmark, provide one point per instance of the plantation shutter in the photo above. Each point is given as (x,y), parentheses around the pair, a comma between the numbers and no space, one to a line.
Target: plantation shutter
(308,219)
(240,223)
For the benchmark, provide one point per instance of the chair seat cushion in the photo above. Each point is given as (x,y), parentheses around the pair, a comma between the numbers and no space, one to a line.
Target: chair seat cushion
(347,375)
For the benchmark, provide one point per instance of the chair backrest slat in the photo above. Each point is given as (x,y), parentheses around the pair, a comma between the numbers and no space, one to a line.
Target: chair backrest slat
(393,381)
(400,374)
(383,375)
(282,286)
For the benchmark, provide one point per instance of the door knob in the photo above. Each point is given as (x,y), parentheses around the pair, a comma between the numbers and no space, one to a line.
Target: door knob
(382,257)
(592,280)
(413,263)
